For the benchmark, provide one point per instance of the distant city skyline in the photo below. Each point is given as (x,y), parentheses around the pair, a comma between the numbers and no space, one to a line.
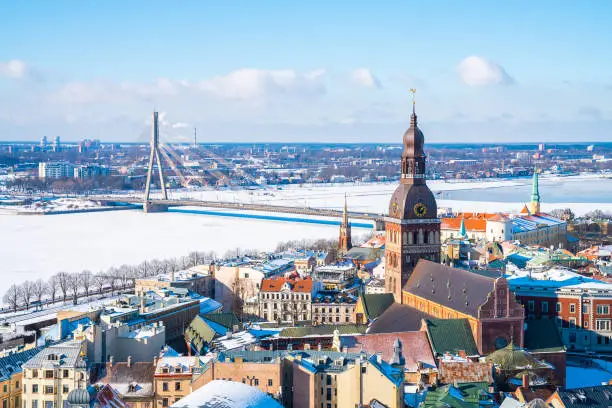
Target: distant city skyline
(268,71)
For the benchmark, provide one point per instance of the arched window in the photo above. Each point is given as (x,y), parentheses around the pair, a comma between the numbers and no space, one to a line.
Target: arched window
(420,240)
(410,238)
(431,239)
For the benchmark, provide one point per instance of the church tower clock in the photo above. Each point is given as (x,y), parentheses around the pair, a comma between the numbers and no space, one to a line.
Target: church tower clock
(413,226)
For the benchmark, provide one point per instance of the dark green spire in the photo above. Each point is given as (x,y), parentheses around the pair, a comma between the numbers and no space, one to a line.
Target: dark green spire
(535,191)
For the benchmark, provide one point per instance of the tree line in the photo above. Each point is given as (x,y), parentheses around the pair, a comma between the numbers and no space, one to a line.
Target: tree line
(64,285)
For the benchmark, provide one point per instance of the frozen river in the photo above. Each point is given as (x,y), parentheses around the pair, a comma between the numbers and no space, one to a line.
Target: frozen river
(39,246)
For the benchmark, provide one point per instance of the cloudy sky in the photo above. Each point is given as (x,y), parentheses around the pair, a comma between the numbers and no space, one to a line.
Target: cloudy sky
(308,71)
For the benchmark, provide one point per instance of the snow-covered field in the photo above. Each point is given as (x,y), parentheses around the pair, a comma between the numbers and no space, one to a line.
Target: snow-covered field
(39,246)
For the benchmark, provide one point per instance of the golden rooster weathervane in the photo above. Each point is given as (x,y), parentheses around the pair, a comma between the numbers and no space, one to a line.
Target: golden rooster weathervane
(412,92)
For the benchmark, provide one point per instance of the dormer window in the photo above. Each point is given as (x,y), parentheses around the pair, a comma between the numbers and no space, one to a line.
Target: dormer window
(178,369)
(132,387)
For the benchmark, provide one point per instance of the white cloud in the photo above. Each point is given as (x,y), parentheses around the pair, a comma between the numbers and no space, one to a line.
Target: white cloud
(14,69)
(180,125)
(256,83)
(364,77)
(476,70)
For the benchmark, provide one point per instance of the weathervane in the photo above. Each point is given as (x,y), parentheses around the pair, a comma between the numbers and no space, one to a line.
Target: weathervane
(413,91)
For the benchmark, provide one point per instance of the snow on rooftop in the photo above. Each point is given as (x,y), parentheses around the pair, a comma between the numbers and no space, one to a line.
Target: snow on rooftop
(227,394)
(555,278)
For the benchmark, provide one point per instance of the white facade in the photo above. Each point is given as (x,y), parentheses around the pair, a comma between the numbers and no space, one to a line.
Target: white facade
(55,170)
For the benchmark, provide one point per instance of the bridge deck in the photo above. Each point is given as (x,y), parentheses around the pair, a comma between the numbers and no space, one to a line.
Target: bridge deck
(321,212)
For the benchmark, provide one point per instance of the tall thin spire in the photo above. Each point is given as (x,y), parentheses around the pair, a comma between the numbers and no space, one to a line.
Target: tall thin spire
(462,230)
(345,212)
(534,205)
(535,188)
(413,116)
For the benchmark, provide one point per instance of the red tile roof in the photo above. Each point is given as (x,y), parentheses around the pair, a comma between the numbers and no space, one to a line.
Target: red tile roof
(297,285)
(471,224)
(415,346)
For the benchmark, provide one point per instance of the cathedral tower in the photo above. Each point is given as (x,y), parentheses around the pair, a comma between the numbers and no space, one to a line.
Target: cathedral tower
(344,241)
(413,226)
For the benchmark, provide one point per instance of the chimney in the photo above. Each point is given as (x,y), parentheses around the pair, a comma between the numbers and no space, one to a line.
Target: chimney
(155,361)
(319,347)
(289,347)
(228,334)
(111,360)
(462,354)
(344,349)
(129,361)
(379,357)
(306,346)
(235,328)
(455,383)
(525,381)
(171,276)
(271,347)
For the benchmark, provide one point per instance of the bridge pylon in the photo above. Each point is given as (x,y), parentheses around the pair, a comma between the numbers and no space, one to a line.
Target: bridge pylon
(148,204)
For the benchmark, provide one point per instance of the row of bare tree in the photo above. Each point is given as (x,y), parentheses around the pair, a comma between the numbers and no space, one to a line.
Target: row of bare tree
(63,285)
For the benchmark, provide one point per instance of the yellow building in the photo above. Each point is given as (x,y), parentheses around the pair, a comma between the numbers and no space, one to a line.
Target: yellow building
(173,379)
(11,386)
(52,373)
(344,380)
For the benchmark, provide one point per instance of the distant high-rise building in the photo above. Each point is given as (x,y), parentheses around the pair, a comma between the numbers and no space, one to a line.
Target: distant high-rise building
(541,147)
(43,143)
(55,170)
(90,171)
(56,144)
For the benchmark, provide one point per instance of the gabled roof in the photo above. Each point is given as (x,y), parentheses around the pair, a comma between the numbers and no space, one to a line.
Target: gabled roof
(592,397)
(471,224)
(375,304)
(415,347)
(457,289)
(296,285)
(397,318)
(199,333)
(451,336)
(12,363)
(464,371)
(227,320)
(120,376)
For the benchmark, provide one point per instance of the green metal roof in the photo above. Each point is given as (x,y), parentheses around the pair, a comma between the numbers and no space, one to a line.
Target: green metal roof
(542,336)
(467,395)
(512,358)
(199,333)
(227,320)
(323,330)
(376,303)
(451,335)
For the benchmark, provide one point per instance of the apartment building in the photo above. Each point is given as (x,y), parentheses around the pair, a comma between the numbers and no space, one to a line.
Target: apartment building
(173,378)
(11,377)
(286,299)
(51,374)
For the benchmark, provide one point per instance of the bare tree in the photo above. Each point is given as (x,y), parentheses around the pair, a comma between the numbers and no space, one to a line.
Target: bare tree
(110,278)
(98,282)
(74,284)
(86,278)
(52,287)
(63,281)
(11,297)
(26,291)
(40,288)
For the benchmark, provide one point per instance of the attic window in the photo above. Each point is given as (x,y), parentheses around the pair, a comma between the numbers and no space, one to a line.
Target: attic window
(132,387)
(52,357)
(178,369)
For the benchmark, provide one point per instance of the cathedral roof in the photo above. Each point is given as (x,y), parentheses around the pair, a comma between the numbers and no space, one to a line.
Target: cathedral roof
(471,224)
(457,289)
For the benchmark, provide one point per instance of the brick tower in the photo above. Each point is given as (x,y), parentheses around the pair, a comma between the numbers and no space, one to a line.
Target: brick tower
(344,241)
(413,226)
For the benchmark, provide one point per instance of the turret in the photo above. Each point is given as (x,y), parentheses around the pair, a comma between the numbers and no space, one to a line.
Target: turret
(534,204)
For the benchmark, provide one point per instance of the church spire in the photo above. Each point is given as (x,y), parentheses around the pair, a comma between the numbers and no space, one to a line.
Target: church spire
(534,205)
(345,241)
(462,231)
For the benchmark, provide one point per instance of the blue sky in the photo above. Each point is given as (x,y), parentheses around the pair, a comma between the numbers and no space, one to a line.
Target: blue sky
(306,71)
